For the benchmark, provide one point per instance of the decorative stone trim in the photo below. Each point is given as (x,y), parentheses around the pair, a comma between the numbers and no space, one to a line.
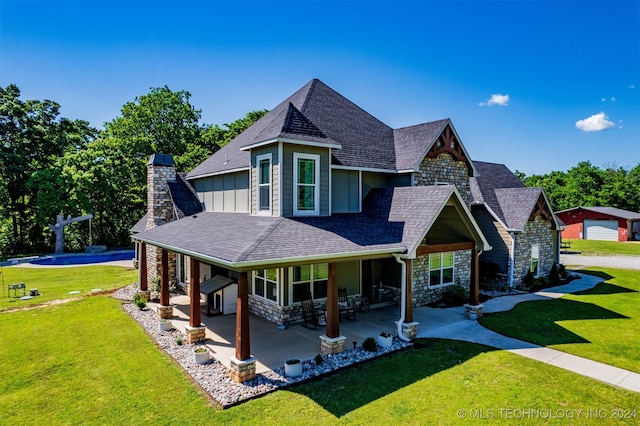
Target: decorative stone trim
(409,329)
(144,295)
(473,312)
(195,334)
(332,345)
(242,371)
(165,311)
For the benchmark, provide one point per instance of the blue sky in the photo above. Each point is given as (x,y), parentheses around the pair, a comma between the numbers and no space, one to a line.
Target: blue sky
(538,86)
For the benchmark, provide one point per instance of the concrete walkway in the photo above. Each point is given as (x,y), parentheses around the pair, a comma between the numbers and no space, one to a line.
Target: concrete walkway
(451,324)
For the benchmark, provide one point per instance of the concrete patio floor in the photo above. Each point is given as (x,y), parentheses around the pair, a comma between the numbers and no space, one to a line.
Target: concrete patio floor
(270,345)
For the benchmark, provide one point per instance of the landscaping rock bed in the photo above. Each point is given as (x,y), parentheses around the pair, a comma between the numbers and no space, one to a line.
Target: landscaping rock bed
(215,378)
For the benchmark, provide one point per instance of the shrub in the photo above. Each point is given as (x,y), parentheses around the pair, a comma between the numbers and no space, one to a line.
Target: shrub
(319,359)
(554,275)
(528,280)
(179,341)
(562,271)
(456,295)
(369,344)
(489,270)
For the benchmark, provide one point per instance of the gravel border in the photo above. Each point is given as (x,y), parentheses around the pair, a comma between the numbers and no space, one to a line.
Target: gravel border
(215,378)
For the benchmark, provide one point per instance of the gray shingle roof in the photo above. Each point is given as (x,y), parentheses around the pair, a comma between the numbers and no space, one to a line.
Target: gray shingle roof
(611,211)
(393,220)
(317,113)
(140,225)
(504,194)
(184,197)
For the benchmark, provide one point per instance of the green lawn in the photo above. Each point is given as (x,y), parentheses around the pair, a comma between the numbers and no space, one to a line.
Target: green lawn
(602,324)
(592,247)
(56,283)
(88,362)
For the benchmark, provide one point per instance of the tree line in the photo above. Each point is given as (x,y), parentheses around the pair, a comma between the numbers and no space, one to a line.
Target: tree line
(53,165)
(589,186)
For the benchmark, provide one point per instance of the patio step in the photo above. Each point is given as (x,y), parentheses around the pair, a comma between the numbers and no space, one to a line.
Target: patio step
(381,304)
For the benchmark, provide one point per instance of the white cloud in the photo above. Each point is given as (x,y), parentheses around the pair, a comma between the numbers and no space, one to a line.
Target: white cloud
(633,86)
(613,99)
(603,99)
(595,123)
(496,99)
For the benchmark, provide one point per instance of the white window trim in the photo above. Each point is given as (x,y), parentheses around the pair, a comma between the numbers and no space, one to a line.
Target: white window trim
(453,271)
(535,249)
(310,281)
(316,197)
(265,298)
(260,158)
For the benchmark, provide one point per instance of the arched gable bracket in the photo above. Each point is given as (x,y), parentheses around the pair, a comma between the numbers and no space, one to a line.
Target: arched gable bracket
(449,143)
(541,209)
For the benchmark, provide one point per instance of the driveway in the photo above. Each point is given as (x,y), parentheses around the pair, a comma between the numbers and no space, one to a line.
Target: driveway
(578,261)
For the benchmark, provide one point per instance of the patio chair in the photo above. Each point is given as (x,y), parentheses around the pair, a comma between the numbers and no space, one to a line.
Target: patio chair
(310,314)
(347,307)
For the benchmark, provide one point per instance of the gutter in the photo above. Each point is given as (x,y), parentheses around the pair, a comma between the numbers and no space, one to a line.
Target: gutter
(403,300)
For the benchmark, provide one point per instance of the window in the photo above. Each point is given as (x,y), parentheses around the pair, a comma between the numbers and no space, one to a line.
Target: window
(264,182)
(309,280)
(440,268)
(265,283)
(306,175)
(535,259)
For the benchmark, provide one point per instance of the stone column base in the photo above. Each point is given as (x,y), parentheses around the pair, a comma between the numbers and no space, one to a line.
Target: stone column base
(195,334)
(165,311)
(473,312)
(409,329)
(332,345)
(242,371)
(145,295)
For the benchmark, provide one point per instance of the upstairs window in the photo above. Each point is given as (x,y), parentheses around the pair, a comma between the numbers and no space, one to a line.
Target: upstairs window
(440,268)
(264,183)
(306,175)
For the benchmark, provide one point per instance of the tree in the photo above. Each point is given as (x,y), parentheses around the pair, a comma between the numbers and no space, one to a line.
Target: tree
(32,136)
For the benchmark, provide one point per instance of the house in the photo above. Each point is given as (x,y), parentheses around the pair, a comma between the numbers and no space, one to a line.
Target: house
(600,223)
(316,196)
(517,221)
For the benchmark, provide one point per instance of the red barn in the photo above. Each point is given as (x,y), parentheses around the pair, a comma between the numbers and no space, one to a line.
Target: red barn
(600,223)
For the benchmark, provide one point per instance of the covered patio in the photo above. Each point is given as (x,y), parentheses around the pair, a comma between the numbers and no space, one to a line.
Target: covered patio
(271,345)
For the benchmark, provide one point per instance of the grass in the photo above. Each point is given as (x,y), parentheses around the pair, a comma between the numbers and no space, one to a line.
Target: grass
(88,362)
(594,247)
(602,324)
(56,283)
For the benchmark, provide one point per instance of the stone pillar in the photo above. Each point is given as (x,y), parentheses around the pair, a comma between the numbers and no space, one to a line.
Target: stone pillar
(195,334)
(332,345)
(473,312)
(409,329)
(165,312)
(242,371)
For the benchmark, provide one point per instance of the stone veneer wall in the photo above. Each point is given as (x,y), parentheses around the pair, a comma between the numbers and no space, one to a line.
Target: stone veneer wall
(159,211)
(422,293)
(270,311)
(444,169)
(538,232)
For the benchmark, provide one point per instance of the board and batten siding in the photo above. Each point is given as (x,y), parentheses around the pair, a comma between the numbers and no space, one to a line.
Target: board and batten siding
(287,177)
(345,191)
(275,178)
(498,238)
(224,193)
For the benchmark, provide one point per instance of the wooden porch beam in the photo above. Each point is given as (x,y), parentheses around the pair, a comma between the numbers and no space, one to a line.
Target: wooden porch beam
(142,265)
(408,312)
(474,282)
(195,315)
(333,312)
(438,248)
(243,345)
(164,283)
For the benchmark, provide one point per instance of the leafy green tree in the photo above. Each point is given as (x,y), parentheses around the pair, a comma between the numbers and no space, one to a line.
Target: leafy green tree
(32,137)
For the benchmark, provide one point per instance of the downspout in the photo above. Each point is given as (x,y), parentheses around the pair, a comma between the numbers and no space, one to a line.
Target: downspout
(512,259)
(403,298)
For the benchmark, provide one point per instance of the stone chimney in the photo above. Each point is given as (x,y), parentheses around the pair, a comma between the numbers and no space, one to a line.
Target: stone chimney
(161,169)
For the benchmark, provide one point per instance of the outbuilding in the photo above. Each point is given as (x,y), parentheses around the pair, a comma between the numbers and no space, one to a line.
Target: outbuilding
(600,223)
